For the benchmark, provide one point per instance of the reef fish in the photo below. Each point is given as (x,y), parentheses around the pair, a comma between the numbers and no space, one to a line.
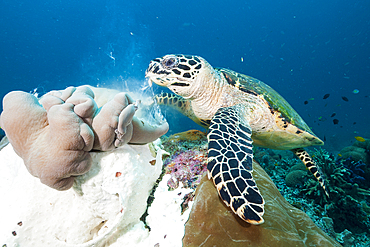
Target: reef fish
(332,115)
(335,121)
(360,139)
(306,102)
(345,98)
(326,96)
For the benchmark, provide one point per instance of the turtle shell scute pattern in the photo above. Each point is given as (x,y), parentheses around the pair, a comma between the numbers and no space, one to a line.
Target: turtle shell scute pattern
(254,86)
(230,159)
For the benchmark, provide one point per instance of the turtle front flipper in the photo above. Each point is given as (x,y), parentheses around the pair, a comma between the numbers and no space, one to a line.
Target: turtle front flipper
(180,104)
(311,165)
(230,159)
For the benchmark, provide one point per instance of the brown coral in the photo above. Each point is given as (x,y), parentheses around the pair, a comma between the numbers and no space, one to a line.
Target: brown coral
(295,178)
(359,151)
(211,223)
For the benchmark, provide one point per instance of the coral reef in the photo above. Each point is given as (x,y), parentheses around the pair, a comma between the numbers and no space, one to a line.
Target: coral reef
(347,207)
(55,134)
(186,146)
(344,205)
(354,170)
(348,182)
(185,141)
(344,216)
(186,167)
(188,160)
(359,151)
(104,205)
(211,223)
(295,178)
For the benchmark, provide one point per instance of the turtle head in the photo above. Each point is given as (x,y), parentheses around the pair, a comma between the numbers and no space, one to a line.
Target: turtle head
(182,74)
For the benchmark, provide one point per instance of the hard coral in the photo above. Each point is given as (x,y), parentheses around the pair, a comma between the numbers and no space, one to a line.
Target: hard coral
(354,170)
(211,223)
(295,178)
(359,151)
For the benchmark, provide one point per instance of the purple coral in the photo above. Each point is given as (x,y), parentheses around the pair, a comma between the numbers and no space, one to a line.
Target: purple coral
(354,170)
(186,167)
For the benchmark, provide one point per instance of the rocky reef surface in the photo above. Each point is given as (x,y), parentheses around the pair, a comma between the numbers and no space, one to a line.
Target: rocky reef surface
(211,223)
(138,200)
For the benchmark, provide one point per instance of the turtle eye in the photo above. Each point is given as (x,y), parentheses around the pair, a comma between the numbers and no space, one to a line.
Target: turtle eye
(170,62)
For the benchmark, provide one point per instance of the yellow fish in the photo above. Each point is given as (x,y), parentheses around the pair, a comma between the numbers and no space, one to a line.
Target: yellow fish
(360,139)
(339,155)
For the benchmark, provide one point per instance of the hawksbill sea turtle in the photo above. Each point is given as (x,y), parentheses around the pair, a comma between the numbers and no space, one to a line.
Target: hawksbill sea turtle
(238,110)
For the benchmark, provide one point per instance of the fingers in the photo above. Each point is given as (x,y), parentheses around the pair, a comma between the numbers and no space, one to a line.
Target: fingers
(125,118)
(67,174)
(143,132)
(87,135)
(47,101)
(85,106)
(112,123)
(62,184)
(125,138)
(62,94)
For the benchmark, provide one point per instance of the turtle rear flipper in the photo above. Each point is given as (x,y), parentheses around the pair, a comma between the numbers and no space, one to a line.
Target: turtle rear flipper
(230,160)
(311,166)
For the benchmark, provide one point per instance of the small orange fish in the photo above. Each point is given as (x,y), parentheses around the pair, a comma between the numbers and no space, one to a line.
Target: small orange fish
(339,155)
(360,139)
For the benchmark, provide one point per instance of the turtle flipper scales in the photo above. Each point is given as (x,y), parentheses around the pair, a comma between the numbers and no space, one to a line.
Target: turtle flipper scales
(180,104)
(230,159)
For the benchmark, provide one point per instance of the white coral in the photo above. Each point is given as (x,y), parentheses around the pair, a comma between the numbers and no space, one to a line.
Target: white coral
(103,205)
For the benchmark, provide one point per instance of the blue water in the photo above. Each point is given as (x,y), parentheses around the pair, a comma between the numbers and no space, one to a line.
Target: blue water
(303,49)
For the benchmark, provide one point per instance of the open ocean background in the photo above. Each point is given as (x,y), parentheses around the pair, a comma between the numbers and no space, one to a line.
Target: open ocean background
(303,49)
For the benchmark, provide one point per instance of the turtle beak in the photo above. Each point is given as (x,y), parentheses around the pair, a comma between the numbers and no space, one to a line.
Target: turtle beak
(152,68)
(156,74)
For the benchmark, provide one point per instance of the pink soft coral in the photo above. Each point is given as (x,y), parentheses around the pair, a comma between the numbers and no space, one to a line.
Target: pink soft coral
(186,167)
